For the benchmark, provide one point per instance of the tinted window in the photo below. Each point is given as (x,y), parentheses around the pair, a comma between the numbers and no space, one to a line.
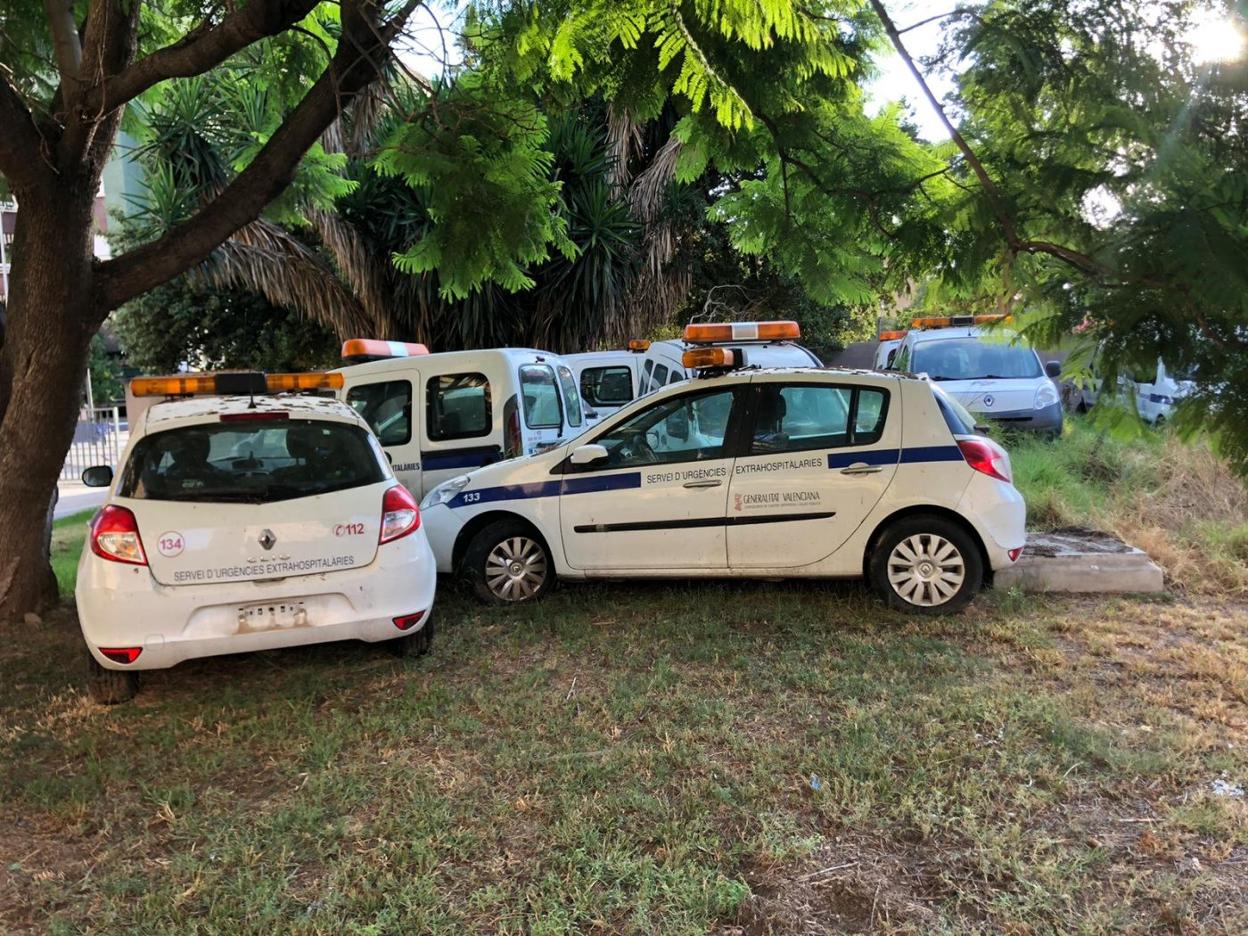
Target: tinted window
(691,427)
(660,376)
(676,377)
(571,399)
(957,417)
(387,408)
(457,407)
(251,462)
(645,377)
(607,386)
(973,358)
(541,397)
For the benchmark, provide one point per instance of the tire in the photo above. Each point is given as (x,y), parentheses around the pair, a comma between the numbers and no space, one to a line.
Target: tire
(508,563)
(906,572)
(110,687)
(414,645)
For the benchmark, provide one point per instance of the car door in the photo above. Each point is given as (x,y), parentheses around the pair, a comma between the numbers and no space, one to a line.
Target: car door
(658,500)
(386,402)
(818,455)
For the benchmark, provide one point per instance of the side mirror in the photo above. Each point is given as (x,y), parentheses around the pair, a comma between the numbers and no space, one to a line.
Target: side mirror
(588,454)
(592,415)
(983,429)
(98,476)
(1053,369)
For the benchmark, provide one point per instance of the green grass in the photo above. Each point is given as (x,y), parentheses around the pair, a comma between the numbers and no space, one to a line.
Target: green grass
(69,534)
(644,758)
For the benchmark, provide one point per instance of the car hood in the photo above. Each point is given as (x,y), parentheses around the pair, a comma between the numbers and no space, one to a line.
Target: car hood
(994,396)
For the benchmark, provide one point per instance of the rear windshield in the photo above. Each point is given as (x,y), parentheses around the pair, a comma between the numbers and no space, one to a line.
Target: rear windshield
(957,417)
(972,359)
(251,462)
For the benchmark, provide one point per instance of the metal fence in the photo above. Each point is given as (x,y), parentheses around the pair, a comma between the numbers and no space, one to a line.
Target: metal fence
(97,441)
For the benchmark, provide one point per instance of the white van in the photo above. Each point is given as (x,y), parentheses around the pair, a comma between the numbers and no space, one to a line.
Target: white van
(439,415)
(611,379)
(1156,394)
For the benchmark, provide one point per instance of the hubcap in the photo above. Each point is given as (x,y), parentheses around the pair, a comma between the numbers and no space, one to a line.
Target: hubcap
(516,568)
(926,569)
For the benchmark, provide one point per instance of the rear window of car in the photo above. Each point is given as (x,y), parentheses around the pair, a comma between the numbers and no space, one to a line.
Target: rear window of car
(251,462)
(458,407)
(386,407)
(571,398)
(957,417)
(607,386)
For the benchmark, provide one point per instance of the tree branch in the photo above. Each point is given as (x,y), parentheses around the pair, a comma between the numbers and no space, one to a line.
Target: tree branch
(939,16)
(21,146)
(65,42)
(362,48)
(201,49)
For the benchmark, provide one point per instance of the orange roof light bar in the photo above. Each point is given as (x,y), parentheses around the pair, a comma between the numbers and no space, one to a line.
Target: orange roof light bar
(285,383)
(638,345)
(893,335)
(704,358)
(174,386)
(233,384)
(949,321)
(709,333)
(375,349)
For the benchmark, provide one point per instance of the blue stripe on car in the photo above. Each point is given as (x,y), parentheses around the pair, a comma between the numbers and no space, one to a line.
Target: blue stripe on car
(461,458)
(617,482)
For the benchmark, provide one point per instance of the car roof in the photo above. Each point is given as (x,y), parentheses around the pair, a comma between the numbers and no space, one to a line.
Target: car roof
(961,331)
(453,358)
(746,374)
(186,411)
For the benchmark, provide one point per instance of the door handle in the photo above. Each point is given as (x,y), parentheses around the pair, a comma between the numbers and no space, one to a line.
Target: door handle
(861,468)
(703,484)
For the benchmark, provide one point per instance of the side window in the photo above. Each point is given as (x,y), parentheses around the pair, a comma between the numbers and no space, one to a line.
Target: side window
(645,378)
(541,397)
(660,376)
(571,398)
(387,408)
(686,428)
(458,407)
(801,417)
(902,361)
(607,386)
(677,377)
(869,416)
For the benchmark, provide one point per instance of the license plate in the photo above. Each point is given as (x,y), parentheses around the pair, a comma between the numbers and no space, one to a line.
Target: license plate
(275,615)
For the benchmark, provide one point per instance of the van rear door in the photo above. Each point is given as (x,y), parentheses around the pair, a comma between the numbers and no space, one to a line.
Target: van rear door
(389,403)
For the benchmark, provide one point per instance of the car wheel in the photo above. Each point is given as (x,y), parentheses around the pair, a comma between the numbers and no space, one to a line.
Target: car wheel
(413,645)
(926,565)
(507,563)
(110,687)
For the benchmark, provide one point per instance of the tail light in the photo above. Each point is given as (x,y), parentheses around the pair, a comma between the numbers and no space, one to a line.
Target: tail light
(1015,553)
(408,621)
(399,514)
(121,654)
(115,537)
(513,443)
(987,457)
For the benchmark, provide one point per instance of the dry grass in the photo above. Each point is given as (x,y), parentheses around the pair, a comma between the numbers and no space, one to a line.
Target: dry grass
(1178,501)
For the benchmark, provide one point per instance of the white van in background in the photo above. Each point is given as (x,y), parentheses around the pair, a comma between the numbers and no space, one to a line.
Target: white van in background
(439,415)
(1156,394)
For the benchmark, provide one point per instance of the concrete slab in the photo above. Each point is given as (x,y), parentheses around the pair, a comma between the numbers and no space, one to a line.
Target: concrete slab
(1081,561)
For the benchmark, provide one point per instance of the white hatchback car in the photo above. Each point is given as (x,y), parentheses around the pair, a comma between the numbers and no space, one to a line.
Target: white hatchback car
(788,473)
(241,523)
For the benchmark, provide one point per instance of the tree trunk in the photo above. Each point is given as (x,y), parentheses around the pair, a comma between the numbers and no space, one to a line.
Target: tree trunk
(51,319)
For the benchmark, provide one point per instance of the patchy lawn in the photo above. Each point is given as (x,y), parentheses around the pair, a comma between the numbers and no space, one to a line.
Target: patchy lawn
(744,758)
(69,535)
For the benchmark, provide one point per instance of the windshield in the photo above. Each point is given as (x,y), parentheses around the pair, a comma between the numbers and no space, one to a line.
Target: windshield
(973,359)
(251,462)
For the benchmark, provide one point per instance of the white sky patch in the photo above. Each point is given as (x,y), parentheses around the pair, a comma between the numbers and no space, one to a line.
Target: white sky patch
(430,43)
(1217,36)
(895,81)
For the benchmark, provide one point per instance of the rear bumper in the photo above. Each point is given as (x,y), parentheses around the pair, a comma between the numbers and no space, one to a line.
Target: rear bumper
(999,515)
(123,606)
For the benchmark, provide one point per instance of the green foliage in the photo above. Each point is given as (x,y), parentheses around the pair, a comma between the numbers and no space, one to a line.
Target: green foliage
(475,160)
(178,324)
(105,371)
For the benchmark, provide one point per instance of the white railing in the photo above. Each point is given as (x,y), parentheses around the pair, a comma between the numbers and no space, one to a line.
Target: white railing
(97,441)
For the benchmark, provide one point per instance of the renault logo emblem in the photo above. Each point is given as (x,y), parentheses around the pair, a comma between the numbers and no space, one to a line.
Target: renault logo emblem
(267,539)
(988,401)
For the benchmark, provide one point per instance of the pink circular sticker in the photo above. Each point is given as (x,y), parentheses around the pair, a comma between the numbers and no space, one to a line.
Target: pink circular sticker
(171,544)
